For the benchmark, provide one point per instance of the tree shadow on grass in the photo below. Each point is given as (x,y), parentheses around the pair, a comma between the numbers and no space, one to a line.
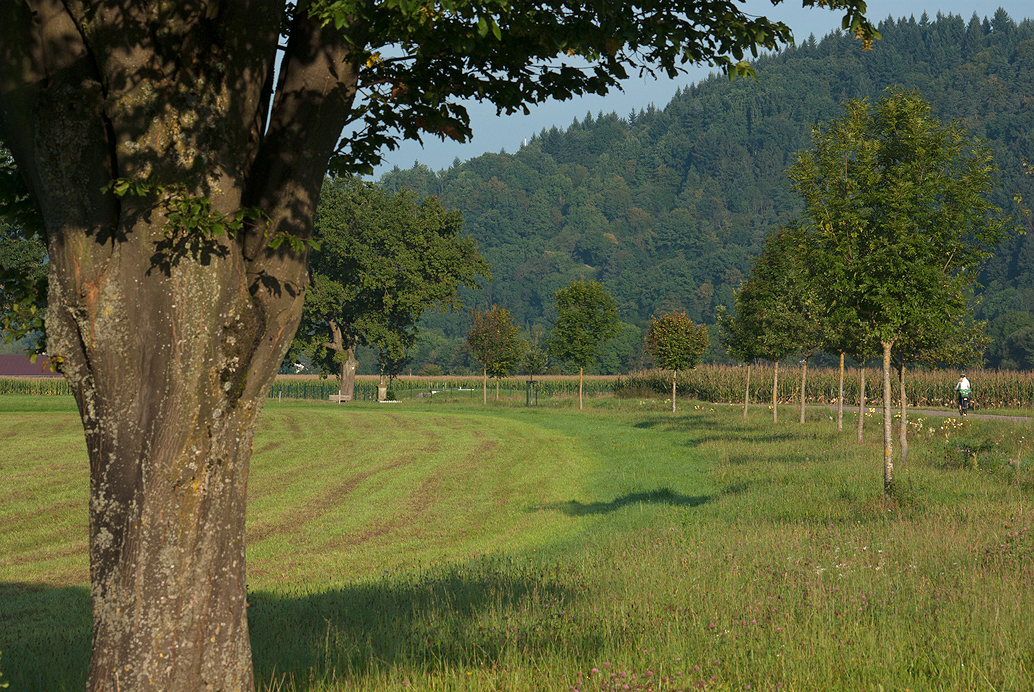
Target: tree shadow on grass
(45,635)
(485,614)
(664,496)
(706,432)
(482,614)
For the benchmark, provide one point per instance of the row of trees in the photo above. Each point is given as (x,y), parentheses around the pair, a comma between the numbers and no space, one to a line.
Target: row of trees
(586,319)
(884,257)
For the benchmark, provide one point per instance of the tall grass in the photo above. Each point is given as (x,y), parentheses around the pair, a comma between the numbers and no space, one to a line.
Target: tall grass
(428,547)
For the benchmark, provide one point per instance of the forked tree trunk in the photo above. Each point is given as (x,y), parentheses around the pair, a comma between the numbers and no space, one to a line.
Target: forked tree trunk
(888,423)
(746,393)
(903,428)
(861,401)
(348,363)
(840,397)
(775,393)
(348,367)
(169,336)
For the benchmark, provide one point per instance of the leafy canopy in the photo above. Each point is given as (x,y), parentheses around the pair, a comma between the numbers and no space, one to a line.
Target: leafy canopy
(675,342)
(383,260)
(897,216)
(420,58)
(586,318)
(493,340)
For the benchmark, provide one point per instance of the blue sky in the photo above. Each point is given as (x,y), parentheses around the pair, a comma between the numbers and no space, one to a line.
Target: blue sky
(495,133)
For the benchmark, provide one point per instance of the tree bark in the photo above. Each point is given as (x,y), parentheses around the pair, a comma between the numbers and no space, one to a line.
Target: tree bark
(804,379)
(903,426)
(581,373)
(484,386)
(775,394)
(746,393)
(169,336)
(348,368)
(346,375)
(861,401)
(888,424)
(840,397)
(673,375)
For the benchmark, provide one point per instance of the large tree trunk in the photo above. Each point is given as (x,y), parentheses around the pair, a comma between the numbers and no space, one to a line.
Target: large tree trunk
(346,376)
(840,397)
(888,423)
(170,336)
(861,401)
(746,394)
(775,394)
(348,367)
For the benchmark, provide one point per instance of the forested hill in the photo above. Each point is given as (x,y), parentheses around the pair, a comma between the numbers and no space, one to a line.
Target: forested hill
(668,207)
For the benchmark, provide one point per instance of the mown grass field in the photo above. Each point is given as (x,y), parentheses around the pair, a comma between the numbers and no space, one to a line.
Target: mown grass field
(451,546)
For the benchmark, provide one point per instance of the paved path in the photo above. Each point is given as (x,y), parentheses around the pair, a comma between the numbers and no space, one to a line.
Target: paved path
(940,413)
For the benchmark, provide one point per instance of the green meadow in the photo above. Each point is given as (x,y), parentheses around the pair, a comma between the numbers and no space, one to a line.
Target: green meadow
(437,545)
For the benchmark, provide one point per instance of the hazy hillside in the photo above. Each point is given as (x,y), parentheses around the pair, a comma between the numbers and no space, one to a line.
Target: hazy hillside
(668,207)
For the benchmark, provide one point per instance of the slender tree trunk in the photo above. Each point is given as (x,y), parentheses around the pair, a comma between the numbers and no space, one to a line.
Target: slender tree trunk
(903,430)
(861,401)
(775,393)
(888,424)
(804,379)
(840,397)
(746,393)
(673,374)
(581,372)
(484,387)
(497,389)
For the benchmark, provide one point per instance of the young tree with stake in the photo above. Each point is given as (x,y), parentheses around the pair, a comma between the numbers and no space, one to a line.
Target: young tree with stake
(898,219)
(676,344)
(492,339)
(587,317)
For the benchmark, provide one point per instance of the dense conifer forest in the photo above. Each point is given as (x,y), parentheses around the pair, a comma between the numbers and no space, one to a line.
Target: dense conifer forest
(668,207)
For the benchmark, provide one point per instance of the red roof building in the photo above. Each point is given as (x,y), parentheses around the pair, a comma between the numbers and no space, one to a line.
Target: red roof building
(17,365)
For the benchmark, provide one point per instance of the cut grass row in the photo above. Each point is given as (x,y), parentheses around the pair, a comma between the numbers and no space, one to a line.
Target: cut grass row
(464,547)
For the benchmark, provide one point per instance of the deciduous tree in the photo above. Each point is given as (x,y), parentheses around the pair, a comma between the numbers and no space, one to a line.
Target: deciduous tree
(898,217)
(382,260)
(492,339)
(676,344)
(586,318)
(175,175)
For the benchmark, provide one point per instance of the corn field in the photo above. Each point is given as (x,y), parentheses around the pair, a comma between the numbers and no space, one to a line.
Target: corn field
(726,384)
(412,387)
(992,389)
(43,386)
